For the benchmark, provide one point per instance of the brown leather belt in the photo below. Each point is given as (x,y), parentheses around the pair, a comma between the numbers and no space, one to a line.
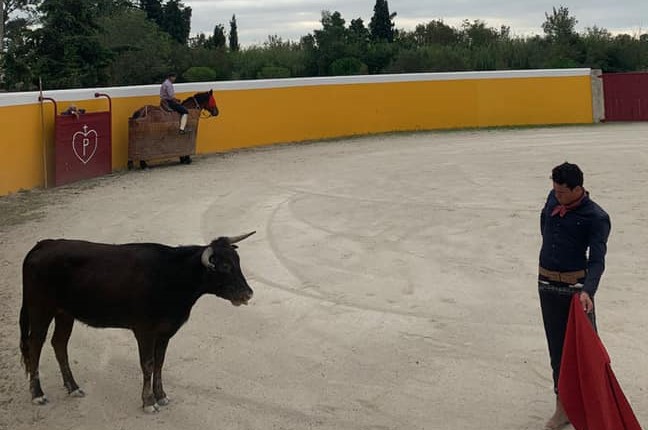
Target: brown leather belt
(565,277)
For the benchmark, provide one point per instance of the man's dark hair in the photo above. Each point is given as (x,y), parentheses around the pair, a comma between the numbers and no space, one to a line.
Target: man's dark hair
(567,174)
(171,75)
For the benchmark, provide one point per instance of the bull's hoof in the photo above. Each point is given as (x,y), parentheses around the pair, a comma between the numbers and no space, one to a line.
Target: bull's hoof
(152,409)
(78,393)
(42,400)
(143,165)
(163,401)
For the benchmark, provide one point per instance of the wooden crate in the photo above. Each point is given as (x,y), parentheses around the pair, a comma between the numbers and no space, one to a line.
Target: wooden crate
(156,137)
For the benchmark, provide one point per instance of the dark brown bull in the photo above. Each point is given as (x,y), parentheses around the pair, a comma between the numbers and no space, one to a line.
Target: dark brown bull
(145,287)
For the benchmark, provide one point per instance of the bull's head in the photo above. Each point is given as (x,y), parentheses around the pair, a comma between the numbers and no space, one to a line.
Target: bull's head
(224,277)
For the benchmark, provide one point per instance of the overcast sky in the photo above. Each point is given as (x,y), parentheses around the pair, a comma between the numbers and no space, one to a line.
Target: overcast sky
(291,19)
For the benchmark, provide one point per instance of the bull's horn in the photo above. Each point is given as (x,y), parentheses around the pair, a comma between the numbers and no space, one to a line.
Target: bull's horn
(235,239)
(206,255)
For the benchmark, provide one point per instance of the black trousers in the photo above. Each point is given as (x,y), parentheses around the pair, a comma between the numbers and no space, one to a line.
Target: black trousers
(177,107)
(555,301)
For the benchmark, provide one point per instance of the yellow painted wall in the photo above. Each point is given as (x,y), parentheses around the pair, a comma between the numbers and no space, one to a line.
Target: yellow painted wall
(21,157)
(262,116)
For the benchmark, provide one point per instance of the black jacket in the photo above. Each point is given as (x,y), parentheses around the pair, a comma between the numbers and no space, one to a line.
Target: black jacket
(565,240)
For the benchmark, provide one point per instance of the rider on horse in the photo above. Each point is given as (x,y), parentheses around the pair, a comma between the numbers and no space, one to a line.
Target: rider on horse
(167,96)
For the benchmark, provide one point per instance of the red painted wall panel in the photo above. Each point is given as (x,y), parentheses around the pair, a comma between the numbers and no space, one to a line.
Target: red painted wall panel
(626,96)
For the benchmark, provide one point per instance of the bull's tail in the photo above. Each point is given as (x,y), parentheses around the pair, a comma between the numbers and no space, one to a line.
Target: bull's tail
(24,337)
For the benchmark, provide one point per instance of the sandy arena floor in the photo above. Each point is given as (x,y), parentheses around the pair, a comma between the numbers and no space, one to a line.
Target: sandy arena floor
(394,282)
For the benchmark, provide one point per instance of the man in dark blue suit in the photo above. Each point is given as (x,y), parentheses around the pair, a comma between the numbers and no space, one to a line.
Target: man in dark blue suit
(574,231)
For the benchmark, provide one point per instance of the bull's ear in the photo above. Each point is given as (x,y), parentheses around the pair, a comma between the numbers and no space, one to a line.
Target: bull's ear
(235,239)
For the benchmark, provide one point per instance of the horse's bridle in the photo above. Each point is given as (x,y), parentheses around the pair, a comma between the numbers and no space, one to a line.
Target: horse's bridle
(196,102)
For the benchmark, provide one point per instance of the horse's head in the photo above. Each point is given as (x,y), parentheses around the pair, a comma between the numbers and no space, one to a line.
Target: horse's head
(204,100)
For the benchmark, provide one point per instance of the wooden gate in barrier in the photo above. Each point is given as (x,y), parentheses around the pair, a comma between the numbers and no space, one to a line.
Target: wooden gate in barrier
(626,96)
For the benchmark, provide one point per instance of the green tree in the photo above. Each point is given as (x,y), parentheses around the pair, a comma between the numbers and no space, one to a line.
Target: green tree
(524,53)
(597,44)
(409,60)
(358,38)
(199,41)
(176,20)
(3,21)
(200,74)
(477,34)
(141,51)
(121,42)
(379,55)
(8,8)
(284,54)
(110,7)
(308,46)
(233,35)
(153,9)
(627,53)
(348,66)
(248,62)
(430,58)
(68,51)
(436,32)
(273,72)
(16,49)
(19,58)
(330,41)
(275,59)
(358,33)
(218,39)
(381,26)
(564,43)
(218,60)
(172,17)
(560,27)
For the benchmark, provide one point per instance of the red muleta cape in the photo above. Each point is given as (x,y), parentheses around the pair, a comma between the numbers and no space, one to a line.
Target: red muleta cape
(589,391)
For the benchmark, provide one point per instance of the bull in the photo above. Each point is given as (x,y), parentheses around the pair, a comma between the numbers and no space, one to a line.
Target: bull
(148,288)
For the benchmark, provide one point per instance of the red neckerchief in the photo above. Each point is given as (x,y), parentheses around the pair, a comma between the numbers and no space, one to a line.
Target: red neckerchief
(563,209)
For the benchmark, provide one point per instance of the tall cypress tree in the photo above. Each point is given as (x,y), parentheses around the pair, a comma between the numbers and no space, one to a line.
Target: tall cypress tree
(233,35)
(381,26)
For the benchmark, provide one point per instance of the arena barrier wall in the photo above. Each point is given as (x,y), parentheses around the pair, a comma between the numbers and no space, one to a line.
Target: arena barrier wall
(263,112)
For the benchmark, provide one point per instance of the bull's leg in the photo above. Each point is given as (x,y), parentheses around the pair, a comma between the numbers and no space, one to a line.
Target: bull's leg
(62,332)
(38,324)
(160,351)
(146,345)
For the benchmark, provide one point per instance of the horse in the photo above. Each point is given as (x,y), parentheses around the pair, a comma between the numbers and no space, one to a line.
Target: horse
(202,101)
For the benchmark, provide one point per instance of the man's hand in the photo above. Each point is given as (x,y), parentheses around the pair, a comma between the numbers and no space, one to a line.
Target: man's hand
(586,302)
